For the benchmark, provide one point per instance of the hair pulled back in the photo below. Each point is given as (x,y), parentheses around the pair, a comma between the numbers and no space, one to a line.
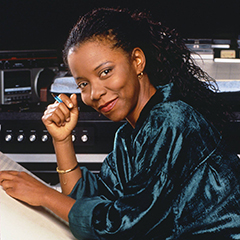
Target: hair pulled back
(167,57)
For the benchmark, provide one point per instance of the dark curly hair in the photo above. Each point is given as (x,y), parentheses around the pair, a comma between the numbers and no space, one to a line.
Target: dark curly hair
(168,59)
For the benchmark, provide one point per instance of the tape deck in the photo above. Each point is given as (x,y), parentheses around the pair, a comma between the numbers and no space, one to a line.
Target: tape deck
(24,73)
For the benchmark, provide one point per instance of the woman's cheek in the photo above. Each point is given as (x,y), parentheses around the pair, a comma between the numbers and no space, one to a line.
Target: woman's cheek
(85,99)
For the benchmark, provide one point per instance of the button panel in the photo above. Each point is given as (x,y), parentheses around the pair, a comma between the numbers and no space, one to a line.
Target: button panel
(28,134)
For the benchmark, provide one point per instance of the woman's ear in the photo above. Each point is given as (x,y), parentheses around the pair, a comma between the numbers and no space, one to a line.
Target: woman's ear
(139,60)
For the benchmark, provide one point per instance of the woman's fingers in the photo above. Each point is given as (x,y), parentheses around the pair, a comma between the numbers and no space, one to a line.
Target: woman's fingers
(8,179)
(60,113)
(7,175)
(22,186)
(66,100)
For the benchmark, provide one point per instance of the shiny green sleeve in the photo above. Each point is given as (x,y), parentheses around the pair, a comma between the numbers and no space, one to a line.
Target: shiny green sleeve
(136,196)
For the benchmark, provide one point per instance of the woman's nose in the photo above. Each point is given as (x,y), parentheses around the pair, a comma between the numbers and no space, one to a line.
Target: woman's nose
(97,90)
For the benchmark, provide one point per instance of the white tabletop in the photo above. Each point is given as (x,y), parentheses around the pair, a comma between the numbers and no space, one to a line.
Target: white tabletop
(20,221)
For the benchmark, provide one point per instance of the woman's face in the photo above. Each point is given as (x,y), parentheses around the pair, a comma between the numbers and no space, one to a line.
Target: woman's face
(107,79)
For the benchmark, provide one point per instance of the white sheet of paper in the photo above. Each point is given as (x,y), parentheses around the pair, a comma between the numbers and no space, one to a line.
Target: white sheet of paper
(20,221)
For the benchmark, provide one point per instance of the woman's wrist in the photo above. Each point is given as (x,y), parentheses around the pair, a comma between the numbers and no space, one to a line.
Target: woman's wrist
(64,141)
(65,153)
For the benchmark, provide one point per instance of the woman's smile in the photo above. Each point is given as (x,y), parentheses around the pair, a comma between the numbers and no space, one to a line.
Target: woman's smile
(107,107)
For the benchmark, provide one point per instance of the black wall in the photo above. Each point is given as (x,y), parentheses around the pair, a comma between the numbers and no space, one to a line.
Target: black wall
(38,24)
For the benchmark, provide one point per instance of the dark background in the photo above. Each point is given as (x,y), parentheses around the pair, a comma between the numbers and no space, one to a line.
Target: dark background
(45,24)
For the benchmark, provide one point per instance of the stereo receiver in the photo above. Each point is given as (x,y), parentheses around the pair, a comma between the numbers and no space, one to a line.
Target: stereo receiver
(23,85)
(23,73)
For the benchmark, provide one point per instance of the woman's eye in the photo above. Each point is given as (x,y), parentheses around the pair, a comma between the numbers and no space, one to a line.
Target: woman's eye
(82,85)
(105,72)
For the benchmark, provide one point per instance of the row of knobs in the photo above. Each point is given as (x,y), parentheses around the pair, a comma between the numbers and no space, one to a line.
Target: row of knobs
(20,137)
(33,137)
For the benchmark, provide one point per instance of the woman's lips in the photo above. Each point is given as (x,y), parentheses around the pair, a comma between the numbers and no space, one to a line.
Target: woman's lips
(108,106)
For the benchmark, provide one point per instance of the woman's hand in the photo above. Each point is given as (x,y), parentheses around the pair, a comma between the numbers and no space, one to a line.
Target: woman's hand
(24,187)
(61,118)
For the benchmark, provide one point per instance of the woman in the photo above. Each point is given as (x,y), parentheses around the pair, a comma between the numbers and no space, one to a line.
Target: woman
(169,176)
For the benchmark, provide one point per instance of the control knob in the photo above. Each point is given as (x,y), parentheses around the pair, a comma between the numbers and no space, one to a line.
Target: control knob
(32,138)
(73,137)
(84,138)
(44,138)
(8,137)
(20,137)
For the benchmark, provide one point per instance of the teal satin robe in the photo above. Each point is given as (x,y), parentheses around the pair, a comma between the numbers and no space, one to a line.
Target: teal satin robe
(171,177)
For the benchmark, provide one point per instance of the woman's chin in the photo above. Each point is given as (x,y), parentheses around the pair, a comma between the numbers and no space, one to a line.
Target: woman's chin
(114,117)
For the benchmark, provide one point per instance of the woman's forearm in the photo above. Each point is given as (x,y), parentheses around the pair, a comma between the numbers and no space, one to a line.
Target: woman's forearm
(66,159)
(58,203)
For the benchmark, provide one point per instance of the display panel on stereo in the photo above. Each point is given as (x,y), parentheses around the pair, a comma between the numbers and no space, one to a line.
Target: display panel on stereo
(15,86)
(22,85)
